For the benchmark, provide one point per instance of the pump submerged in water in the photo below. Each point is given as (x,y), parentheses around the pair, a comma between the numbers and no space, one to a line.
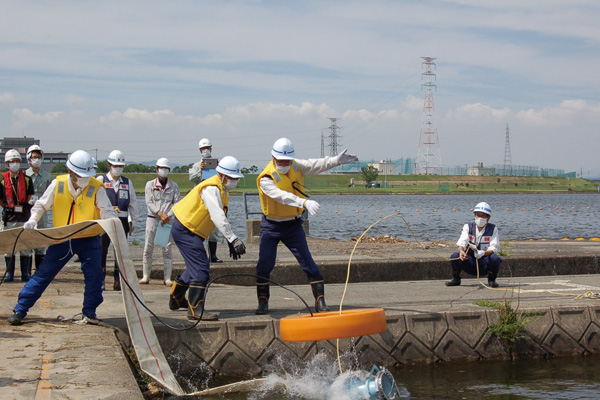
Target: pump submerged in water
(380,385)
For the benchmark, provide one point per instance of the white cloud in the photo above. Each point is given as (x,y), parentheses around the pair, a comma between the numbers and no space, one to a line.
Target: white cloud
(566,113)
(6,98)
(477,112)
(132,118)
(25,116)
(74,100)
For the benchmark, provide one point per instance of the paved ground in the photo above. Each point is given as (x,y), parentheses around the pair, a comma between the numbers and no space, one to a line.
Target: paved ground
(47,359)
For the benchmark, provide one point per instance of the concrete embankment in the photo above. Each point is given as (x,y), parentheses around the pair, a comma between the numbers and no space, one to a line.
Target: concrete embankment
(427,321)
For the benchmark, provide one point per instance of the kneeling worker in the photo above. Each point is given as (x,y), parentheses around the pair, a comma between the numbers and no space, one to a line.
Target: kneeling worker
(477,245)
(74,197)
(280,186)
(196,215)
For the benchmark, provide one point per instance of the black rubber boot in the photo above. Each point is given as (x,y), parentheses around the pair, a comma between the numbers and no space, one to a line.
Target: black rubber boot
(117,281)
(492,279)
(455,279)
(16,319)
(38,260)
(262,292)
(10,267)
(26,268)
(212,251)
(177,298)
(318,289)
(196,302)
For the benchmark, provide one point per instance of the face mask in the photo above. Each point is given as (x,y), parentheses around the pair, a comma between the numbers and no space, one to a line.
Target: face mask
(282,170)
(82,182)
(35,162)
(481,222)
(163,172)
(14,167)
(230,184)
(117,171)
(205,153)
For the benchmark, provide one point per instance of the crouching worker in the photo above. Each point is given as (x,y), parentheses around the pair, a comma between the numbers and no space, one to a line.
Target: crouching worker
(74,197)
(196,215)
(477,245)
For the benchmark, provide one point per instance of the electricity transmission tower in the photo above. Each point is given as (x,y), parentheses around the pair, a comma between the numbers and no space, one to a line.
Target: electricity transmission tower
(322,145)
(429,157)
(507,156)
(333,137)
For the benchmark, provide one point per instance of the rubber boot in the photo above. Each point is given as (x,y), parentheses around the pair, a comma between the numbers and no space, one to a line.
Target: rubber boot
(25,267)
(318,289)
(146,273)
(39,258)
(10,267)
(168,270)
(455,279)
(492,279)
(196,302)
(262,292)
(212,250)
(177,298)
(117,281)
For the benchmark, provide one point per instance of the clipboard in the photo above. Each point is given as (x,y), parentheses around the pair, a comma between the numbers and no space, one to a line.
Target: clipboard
(163,234)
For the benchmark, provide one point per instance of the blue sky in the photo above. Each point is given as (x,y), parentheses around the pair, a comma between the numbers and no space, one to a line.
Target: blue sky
(151,78)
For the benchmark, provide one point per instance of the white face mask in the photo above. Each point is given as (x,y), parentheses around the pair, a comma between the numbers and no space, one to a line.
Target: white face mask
(35,162)
(205,153)
(14,167)
(117,171)
(481,222)
(163,172)
(82,182)
(283,170)
(230,184)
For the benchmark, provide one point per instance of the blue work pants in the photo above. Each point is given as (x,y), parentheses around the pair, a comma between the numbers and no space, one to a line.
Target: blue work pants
(486,263)
(191,247)
(291,234)
(89,251)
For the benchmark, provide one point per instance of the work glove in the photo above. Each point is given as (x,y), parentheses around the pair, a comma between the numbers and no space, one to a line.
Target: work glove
(479,254)
(344,158)
(237,248)
(312,207)
(30,224)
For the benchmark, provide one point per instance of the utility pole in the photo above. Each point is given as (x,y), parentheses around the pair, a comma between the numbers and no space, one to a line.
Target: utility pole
(429,157)
(333,137)
(507,156)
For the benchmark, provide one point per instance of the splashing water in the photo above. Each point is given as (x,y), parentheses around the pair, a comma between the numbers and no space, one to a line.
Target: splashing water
(317,379)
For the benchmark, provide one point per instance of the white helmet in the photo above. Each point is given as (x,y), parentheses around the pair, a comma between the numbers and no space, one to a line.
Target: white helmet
(12,155)
(163,162)
(204,143)
(32,148)
(283,149)
(229,166)
(95,163)
(484,208)
(116,157)
(81,163)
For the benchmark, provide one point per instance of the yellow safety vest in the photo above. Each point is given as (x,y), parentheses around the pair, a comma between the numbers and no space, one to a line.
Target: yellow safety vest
(66,210)
(192,212)
(286,182)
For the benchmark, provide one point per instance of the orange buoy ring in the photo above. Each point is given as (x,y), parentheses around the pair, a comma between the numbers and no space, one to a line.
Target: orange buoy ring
(332,325)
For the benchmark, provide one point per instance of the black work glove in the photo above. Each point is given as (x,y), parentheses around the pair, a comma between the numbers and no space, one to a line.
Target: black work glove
(236,249)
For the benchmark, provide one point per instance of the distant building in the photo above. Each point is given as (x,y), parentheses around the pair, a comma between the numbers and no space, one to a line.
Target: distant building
(480,170)
(384,167)
(21,144)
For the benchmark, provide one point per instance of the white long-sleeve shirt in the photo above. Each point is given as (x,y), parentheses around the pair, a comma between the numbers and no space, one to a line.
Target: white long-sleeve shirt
(46,202)
(463,241)
(308,167)
(132,208)
(161,199)
(211,196)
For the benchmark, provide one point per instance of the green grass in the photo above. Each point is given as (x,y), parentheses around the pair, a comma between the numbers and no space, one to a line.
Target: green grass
(406,184)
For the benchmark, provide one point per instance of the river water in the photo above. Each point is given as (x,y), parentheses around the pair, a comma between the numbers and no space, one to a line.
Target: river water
(518,216)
